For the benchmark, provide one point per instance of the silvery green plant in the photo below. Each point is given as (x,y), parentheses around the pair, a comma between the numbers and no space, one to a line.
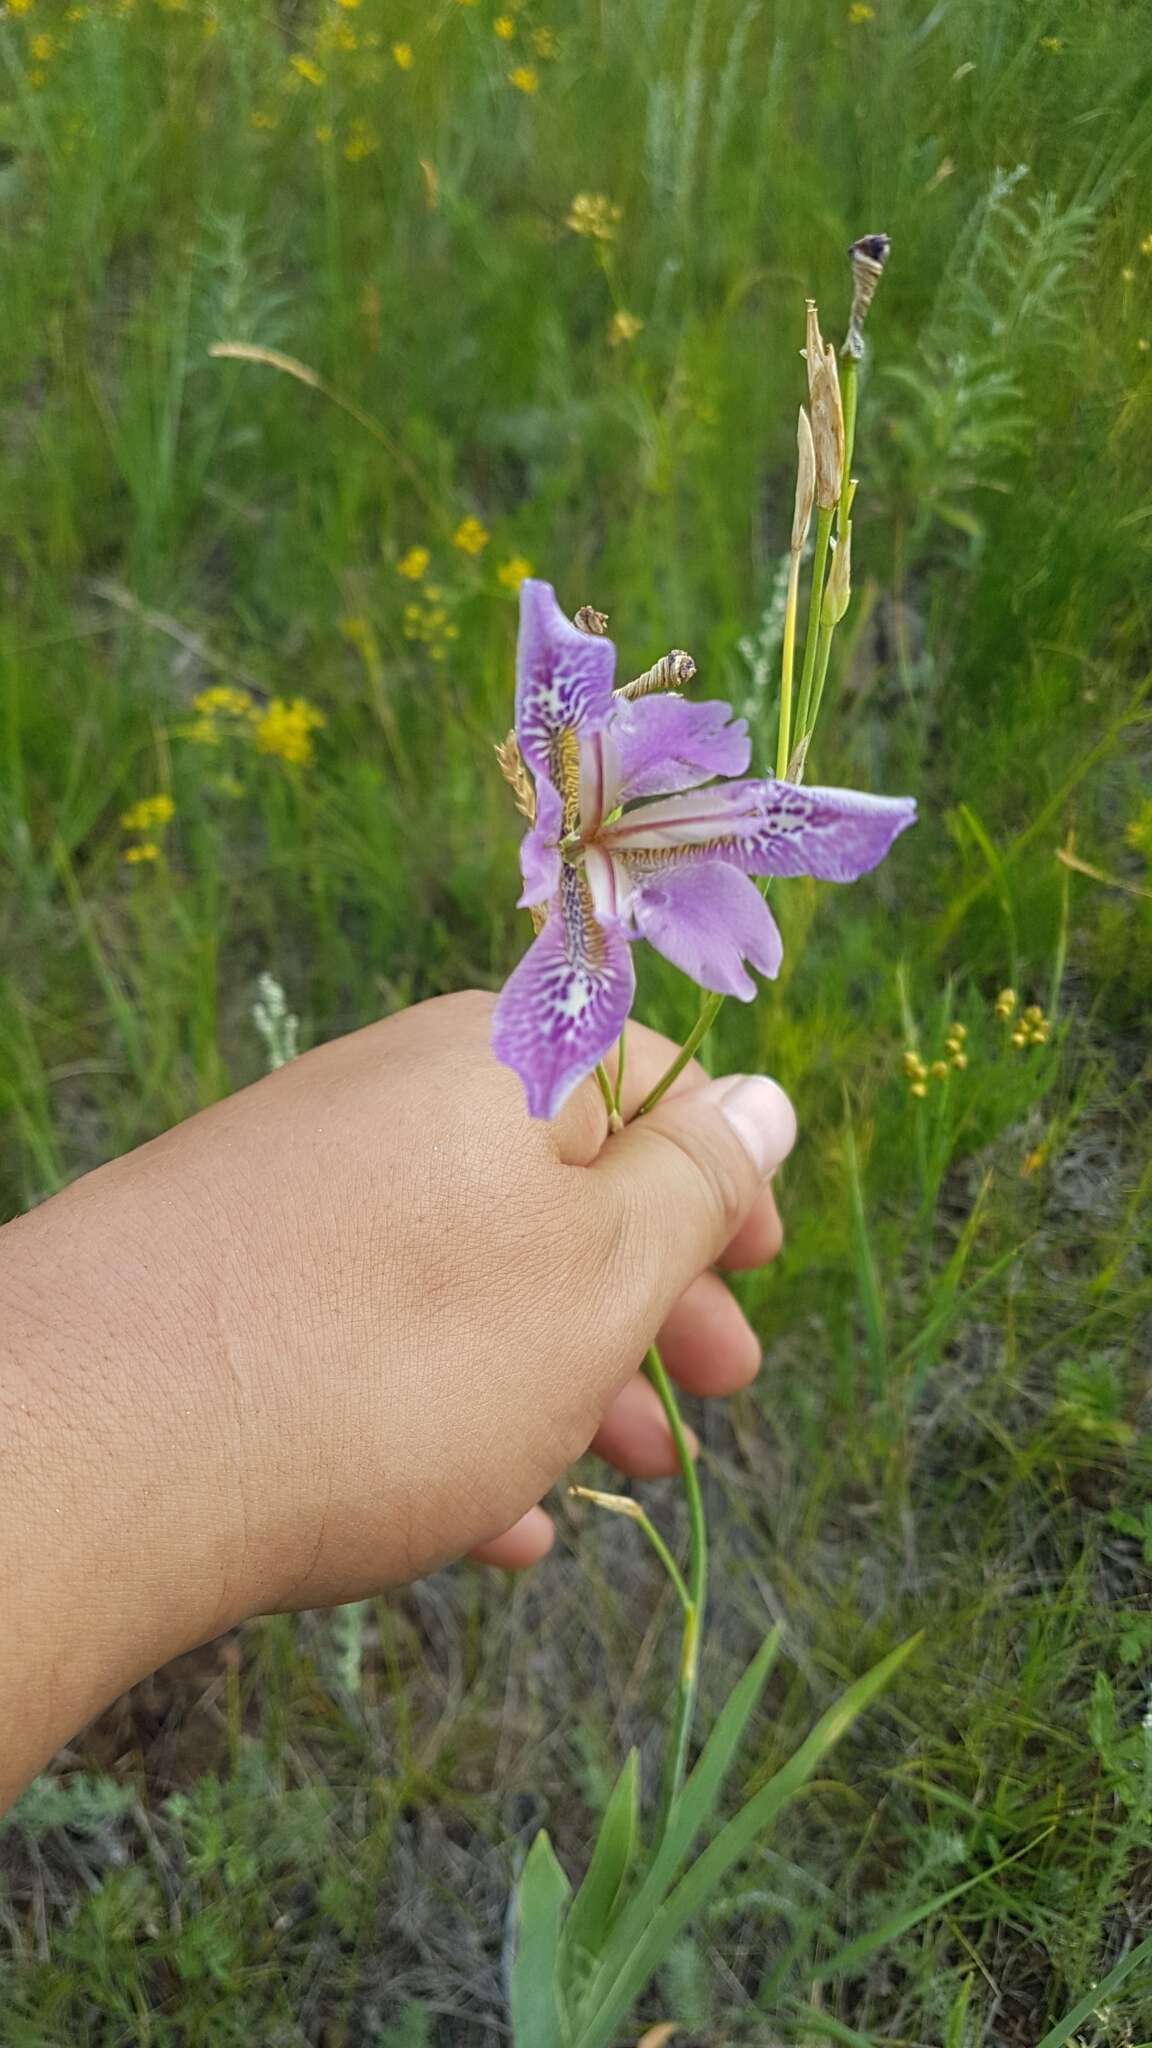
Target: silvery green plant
(644,825)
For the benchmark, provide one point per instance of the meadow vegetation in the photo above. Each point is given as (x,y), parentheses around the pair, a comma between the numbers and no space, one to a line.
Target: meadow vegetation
(539,274)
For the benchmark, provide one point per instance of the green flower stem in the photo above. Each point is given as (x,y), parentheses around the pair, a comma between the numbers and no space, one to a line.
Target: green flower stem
(709,1011)
(815,602)
(615,1120)
(787,664)
(849,394)
(623,1504)
(688,1679)
(618,1091)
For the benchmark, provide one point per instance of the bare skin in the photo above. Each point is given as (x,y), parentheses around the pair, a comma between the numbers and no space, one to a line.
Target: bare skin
(345,1326)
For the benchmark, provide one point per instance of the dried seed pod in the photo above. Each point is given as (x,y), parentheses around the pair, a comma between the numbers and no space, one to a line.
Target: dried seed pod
(589,620)
(673,671)
(827,412)
(867,257)
(805,482)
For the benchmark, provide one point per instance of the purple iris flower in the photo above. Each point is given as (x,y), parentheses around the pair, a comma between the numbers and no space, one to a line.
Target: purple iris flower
(674,871)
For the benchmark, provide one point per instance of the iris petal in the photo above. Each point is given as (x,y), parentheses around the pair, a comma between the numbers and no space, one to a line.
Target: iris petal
(665,743)
(563,682)
(567,1002)
(765,828)
(708,919)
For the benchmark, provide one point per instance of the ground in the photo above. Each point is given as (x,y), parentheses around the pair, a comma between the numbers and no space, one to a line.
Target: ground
(540,277)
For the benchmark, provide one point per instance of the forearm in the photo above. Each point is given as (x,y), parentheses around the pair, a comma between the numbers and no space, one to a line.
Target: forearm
(116,1508)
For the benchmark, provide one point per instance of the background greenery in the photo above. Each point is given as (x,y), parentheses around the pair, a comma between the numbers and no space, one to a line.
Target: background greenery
(309,1834)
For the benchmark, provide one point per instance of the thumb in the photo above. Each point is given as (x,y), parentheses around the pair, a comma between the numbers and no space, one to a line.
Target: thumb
(683,1179)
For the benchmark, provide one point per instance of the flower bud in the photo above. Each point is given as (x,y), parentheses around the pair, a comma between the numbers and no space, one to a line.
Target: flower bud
(826,410)
(838,589)
(805,481)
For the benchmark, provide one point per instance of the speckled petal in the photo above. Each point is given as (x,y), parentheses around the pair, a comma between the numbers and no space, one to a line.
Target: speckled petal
(563,685)
(566,1004)
(539,856)
(665,743)
(765,828)
(709,919)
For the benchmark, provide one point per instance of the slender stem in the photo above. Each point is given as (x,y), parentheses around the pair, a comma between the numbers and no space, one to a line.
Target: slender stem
(618,1092)
(688,1678)
(615,1121)
(709,1010)
(823,650)
(849,393)
(787,664)
(623,1504)
(815,601)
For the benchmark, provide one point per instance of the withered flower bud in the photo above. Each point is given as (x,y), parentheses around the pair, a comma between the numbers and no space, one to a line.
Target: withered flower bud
(805,482)
(826,410)
(838,589)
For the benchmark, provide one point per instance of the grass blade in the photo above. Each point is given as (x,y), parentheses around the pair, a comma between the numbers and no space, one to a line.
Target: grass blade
(733,1841)
(588,1923)
(534,1981)
(1098,1996)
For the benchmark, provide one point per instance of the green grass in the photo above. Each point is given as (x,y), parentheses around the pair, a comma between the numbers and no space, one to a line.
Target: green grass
(309,1835)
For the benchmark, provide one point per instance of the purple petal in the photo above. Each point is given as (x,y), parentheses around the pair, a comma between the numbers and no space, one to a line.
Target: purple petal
(767,828)
(563,682)
(665,743)
(708,919)
(539,858)
(566,1004)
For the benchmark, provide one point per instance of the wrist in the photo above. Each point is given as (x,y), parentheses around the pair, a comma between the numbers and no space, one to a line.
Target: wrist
(121,1520)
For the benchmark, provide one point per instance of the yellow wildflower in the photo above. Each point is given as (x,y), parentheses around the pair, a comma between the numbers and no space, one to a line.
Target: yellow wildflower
(362,140)
(308,69)
(286,728)
(919,1089)
(19,6)
(593,214)
(223,698)
(75,14)
(860,12)
(938,1071)
(470,537)
(1005,1003)
(149,812)
(1128,274)
(623,327)
(1144,345)
(1052,43)
(37,79)
(959,1061)
(147,850)
(42,48)
(544,43)
(323,132)
(525,79)
(512,572)
(203,731)
(259,119)
(403,56)
(1138,830)
(414,564)
(504,27)
(1146,246)
(349,4)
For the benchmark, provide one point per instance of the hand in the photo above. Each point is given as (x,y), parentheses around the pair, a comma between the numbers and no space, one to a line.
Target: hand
(353,1322)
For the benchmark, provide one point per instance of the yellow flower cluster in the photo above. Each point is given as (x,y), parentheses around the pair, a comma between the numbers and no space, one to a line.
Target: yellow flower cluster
(147,817)
(623,327)
(1033,1027)
(1138,830)
(525,78)
(414,564)
(593,214)
(429,624)
(285,729)
(918,1075)
(511,573)
(860,12)
(470,536)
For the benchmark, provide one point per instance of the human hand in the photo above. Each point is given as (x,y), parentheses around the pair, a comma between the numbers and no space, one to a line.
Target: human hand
(355,1320)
